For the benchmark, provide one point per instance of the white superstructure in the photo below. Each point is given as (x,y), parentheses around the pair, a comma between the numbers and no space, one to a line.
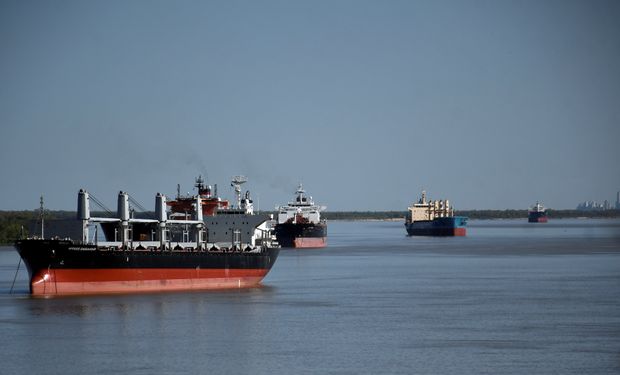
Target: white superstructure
(429,210)
(537,208)
(302,209)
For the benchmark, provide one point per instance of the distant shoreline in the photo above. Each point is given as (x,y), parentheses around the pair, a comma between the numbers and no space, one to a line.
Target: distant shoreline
(472,214)
(479,219)
(12,222)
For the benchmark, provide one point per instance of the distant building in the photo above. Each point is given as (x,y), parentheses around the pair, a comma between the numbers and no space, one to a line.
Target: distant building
(596,206)
(590,206)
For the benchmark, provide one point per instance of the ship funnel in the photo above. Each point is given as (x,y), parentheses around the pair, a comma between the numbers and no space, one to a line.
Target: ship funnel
(83,210)
(123,206)
(160,207)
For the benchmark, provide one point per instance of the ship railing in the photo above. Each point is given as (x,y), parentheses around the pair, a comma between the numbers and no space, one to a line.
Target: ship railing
(103,220)
(117,220)
(135,245)
(173,246)
(109,244)
(153,221)
(191,222)
(220,247)
(227,247)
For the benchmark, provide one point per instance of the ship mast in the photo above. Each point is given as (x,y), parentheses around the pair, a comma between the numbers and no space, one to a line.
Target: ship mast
(199,183)
(300,193)
(41,212)
(236,183)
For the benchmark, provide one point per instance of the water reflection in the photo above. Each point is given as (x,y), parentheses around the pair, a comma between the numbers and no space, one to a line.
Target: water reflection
(162,305)
(374,301)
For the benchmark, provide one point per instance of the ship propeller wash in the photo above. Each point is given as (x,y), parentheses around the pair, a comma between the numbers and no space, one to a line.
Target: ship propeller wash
(184,250)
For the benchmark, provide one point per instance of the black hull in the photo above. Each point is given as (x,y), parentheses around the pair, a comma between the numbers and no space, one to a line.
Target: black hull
(295,235)
(59,254)
(442,226)
(537,217)
(131,270)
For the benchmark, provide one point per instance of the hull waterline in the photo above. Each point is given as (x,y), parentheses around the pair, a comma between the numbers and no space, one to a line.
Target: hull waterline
(62,268)
(301,236)
(442,227)
(88,281)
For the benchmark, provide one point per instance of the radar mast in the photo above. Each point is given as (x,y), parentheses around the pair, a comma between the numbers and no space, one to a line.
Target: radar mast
(236,182)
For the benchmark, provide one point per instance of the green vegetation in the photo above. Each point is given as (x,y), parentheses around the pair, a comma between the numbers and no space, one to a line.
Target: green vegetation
(565,214)
(363,215)
(472,214)
(12,222)
(15,224)
(553,214)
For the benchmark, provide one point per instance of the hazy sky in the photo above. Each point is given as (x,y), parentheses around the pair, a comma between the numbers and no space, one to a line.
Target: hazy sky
(492,104)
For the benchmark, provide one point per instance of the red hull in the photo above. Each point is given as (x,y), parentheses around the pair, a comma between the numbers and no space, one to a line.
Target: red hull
(93,281)
(309,242)
(542,219)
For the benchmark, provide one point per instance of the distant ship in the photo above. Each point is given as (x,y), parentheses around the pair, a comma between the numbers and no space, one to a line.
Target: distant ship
(537,214)
(434,218)
(233,248)
(299,223)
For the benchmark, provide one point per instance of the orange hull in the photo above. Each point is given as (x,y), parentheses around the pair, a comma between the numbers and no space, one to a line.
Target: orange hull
(309,242)
(93,281)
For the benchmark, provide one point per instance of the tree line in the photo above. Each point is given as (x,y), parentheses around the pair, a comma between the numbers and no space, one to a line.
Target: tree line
(15,224)
(12,224)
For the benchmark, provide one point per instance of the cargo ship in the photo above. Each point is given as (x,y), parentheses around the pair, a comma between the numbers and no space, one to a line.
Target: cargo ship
(234,249)
(434,218)
(299,223)
(537,214)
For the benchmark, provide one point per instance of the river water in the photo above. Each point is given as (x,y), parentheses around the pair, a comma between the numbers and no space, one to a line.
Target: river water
(510,298)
